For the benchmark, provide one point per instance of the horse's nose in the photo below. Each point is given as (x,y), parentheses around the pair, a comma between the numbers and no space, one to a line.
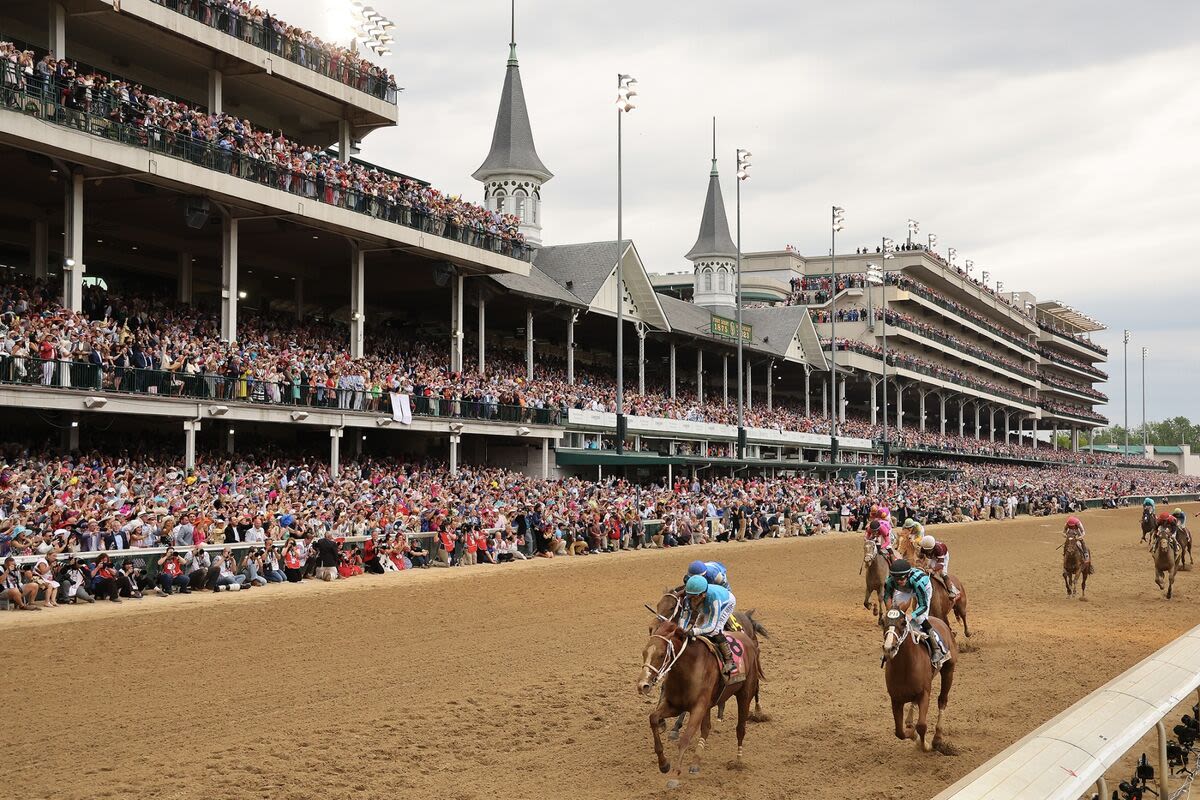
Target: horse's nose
(644,687)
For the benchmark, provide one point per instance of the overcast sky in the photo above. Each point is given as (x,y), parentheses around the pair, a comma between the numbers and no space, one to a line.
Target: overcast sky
(1053,142)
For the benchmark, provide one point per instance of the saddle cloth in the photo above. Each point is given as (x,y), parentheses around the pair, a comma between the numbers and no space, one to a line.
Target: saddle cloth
(739,665)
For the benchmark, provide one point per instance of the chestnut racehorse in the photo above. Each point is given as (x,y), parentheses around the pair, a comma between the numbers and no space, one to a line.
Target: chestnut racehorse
(1074,569)
(941,607)
(690,674)
(908,674)
(1165,550)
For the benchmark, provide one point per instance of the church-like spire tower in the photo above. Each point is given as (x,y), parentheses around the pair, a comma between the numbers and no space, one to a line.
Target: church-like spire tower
(513,174)
(714,254)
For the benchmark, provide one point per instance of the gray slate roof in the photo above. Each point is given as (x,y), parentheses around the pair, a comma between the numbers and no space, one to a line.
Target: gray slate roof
(587,265)
(714,239)
(695,320)
(512,141)
(539,285)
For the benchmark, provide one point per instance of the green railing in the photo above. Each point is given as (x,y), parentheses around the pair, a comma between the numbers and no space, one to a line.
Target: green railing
(226,388)
(220,16)
(101,119)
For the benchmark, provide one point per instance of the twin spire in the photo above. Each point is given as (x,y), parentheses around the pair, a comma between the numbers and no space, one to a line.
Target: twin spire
(714,239)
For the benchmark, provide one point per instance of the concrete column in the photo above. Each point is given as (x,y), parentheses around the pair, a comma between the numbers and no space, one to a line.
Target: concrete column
(39,250)
(899,406)
(57,39)
(942,400)
(190,427)
(229,279)
(874,401)
(216,91)
(842,400)
(456,322)
(921,395)
(807,391)
(482,355)
(992,424)
(700,376)
(725,378)
(749,389)
(770,382)
(335,440)
(825,398)
(298,298)
(1054,436)
(671,364)
(545,459)
(641,334)
(1008,427)
(571,347)
(978,427)
(229,441)
(529,344)
(358,317)
(1075,440)
(345,138)
(73,263)
(962,416)
(455,441)
(71,437)
(184,278)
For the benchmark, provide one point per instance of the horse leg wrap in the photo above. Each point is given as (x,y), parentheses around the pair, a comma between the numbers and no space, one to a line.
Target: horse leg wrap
(700,745)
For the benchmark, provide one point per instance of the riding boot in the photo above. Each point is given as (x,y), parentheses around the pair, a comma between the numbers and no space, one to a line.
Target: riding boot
(726,655)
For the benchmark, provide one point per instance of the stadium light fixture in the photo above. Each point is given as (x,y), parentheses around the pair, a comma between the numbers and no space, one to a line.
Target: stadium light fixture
(743,163)
(970,266)
(218,411)
(914,228)
(837,223)
(456,427)
(95,402)
(522,431)
(743,173)
(299,416)
(383,422)
(932,242)
(69,263)
(951,253)
(986,275)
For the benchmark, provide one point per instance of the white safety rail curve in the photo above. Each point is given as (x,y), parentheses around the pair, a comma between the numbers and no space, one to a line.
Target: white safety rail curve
(1068,756)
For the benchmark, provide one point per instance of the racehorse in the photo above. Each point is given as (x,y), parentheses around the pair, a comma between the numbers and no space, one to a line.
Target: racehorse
(1183,537)
(907,544)
(908,674)
(1148,521)
(690,673)
(670,606)
(941,607)
(876,567)
(1164,547)
(1073,567)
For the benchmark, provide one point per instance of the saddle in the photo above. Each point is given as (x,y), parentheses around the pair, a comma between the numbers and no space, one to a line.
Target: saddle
(739,666)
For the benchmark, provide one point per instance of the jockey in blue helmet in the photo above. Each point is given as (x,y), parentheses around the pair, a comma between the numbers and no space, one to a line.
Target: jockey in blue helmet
(905,581)
(713,572)
(1149,501)
(706,610)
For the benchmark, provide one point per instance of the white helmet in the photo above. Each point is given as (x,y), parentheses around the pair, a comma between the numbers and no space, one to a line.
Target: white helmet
(927,542)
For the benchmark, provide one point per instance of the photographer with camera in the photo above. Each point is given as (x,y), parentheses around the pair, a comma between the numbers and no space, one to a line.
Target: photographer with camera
(172,573)
(15,590)
(253,567)
(196,563)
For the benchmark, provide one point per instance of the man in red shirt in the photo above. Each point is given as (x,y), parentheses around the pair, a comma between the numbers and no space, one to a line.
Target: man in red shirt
(170,573)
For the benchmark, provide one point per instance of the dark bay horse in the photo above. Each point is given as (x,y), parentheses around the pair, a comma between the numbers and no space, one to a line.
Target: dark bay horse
(1164,548)
(908,674)
(1148,522)
(941,607)
(690,675)
(1183,537)
(1074,569)
(876,568)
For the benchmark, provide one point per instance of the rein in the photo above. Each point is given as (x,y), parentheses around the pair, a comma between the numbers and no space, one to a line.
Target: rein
(669,659)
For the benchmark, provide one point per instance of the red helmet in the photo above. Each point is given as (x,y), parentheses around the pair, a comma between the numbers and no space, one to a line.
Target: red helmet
(1165,519)
(1073,522)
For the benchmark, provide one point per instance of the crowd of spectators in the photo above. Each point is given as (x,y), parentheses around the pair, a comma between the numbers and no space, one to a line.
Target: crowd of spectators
(1071,409)
(238,522)
(235,146)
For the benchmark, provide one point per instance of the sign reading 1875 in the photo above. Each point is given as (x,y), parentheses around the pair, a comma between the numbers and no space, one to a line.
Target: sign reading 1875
(721,326)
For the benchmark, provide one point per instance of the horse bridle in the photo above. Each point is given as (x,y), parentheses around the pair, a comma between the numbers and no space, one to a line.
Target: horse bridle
(669,659)
(892,629)
(678,605)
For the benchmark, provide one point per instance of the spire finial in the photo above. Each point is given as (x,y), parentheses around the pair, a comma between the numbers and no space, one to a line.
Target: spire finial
(714,157)
(512,35)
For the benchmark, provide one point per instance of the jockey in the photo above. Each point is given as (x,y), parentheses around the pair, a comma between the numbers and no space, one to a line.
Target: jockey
(705,613)
(880,532)
(937,561)
(1074,529)
(905,581)
(1148,503)
(712,571)
(1179,517)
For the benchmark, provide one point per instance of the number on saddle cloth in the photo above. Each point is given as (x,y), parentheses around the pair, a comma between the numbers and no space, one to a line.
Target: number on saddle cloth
(732,624)
(739,652)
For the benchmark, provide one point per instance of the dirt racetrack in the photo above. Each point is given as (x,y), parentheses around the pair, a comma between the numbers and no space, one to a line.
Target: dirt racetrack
(518,682)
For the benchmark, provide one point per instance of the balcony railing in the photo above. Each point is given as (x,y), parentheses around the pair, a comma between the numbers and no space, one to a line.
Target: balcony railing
(80,376)
(1059,358)
(964,347)
(332,64)
(97,120)
(1086,391)
(907,284)
(1074,337)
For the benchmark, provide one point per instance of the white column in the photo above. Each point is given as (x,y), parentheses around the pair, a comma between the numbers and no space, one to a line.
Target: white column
(899,406)
(978,427)
(358,317)
(571,320)
(770,382)
(73,244)
(874,401)
(229,278)
(545,459)
(216,91)
(335,440)
(298,298)
(482,365)
(942,400)
(345,139)
(1008,427)
(641,334)
(190,426)
(842,400)
(1054,436)
(699,376)
(725,378)
(807,391)
(671,362)
(229,440)
(921,395)
(58,30)
(39,250)
(184,278)
(749,385)
(455,441)
(1075,440)
(456,322)
(825,397)
(962,416)
(992,424)
(529,344)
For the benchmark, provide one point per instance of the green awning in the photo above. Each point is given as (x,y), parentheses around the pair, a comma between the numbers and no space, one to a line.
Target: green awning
(610,458)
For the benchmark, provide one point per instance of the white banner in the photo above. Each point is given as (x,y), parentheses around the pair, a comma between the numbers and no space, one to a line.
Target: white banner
(683,427)
(401,408)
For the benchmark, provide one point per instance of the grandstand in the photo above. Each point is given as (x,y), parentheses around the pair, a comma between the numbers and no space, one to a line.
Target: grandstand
(227,199)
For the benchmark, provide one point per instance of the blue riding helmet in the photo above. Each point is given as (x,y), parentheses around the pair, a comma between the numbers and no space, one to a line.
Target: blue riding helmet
(1147,502)
(697,568)
(696,585)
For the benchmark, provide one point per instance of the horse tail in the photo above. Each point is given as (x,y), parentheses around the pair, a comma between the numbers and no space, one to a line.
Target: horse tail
(759,628)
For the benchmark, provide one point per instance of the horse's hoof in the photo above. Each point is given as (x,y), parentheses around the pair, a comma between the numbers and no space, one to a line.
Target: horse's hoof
(925,746)
(693,770)
(672,784)
(665,767)
(672,736)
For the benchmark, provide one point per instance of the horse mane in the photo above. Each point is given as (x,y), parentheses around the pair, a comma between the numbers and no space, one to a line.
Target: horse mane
(666,628)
